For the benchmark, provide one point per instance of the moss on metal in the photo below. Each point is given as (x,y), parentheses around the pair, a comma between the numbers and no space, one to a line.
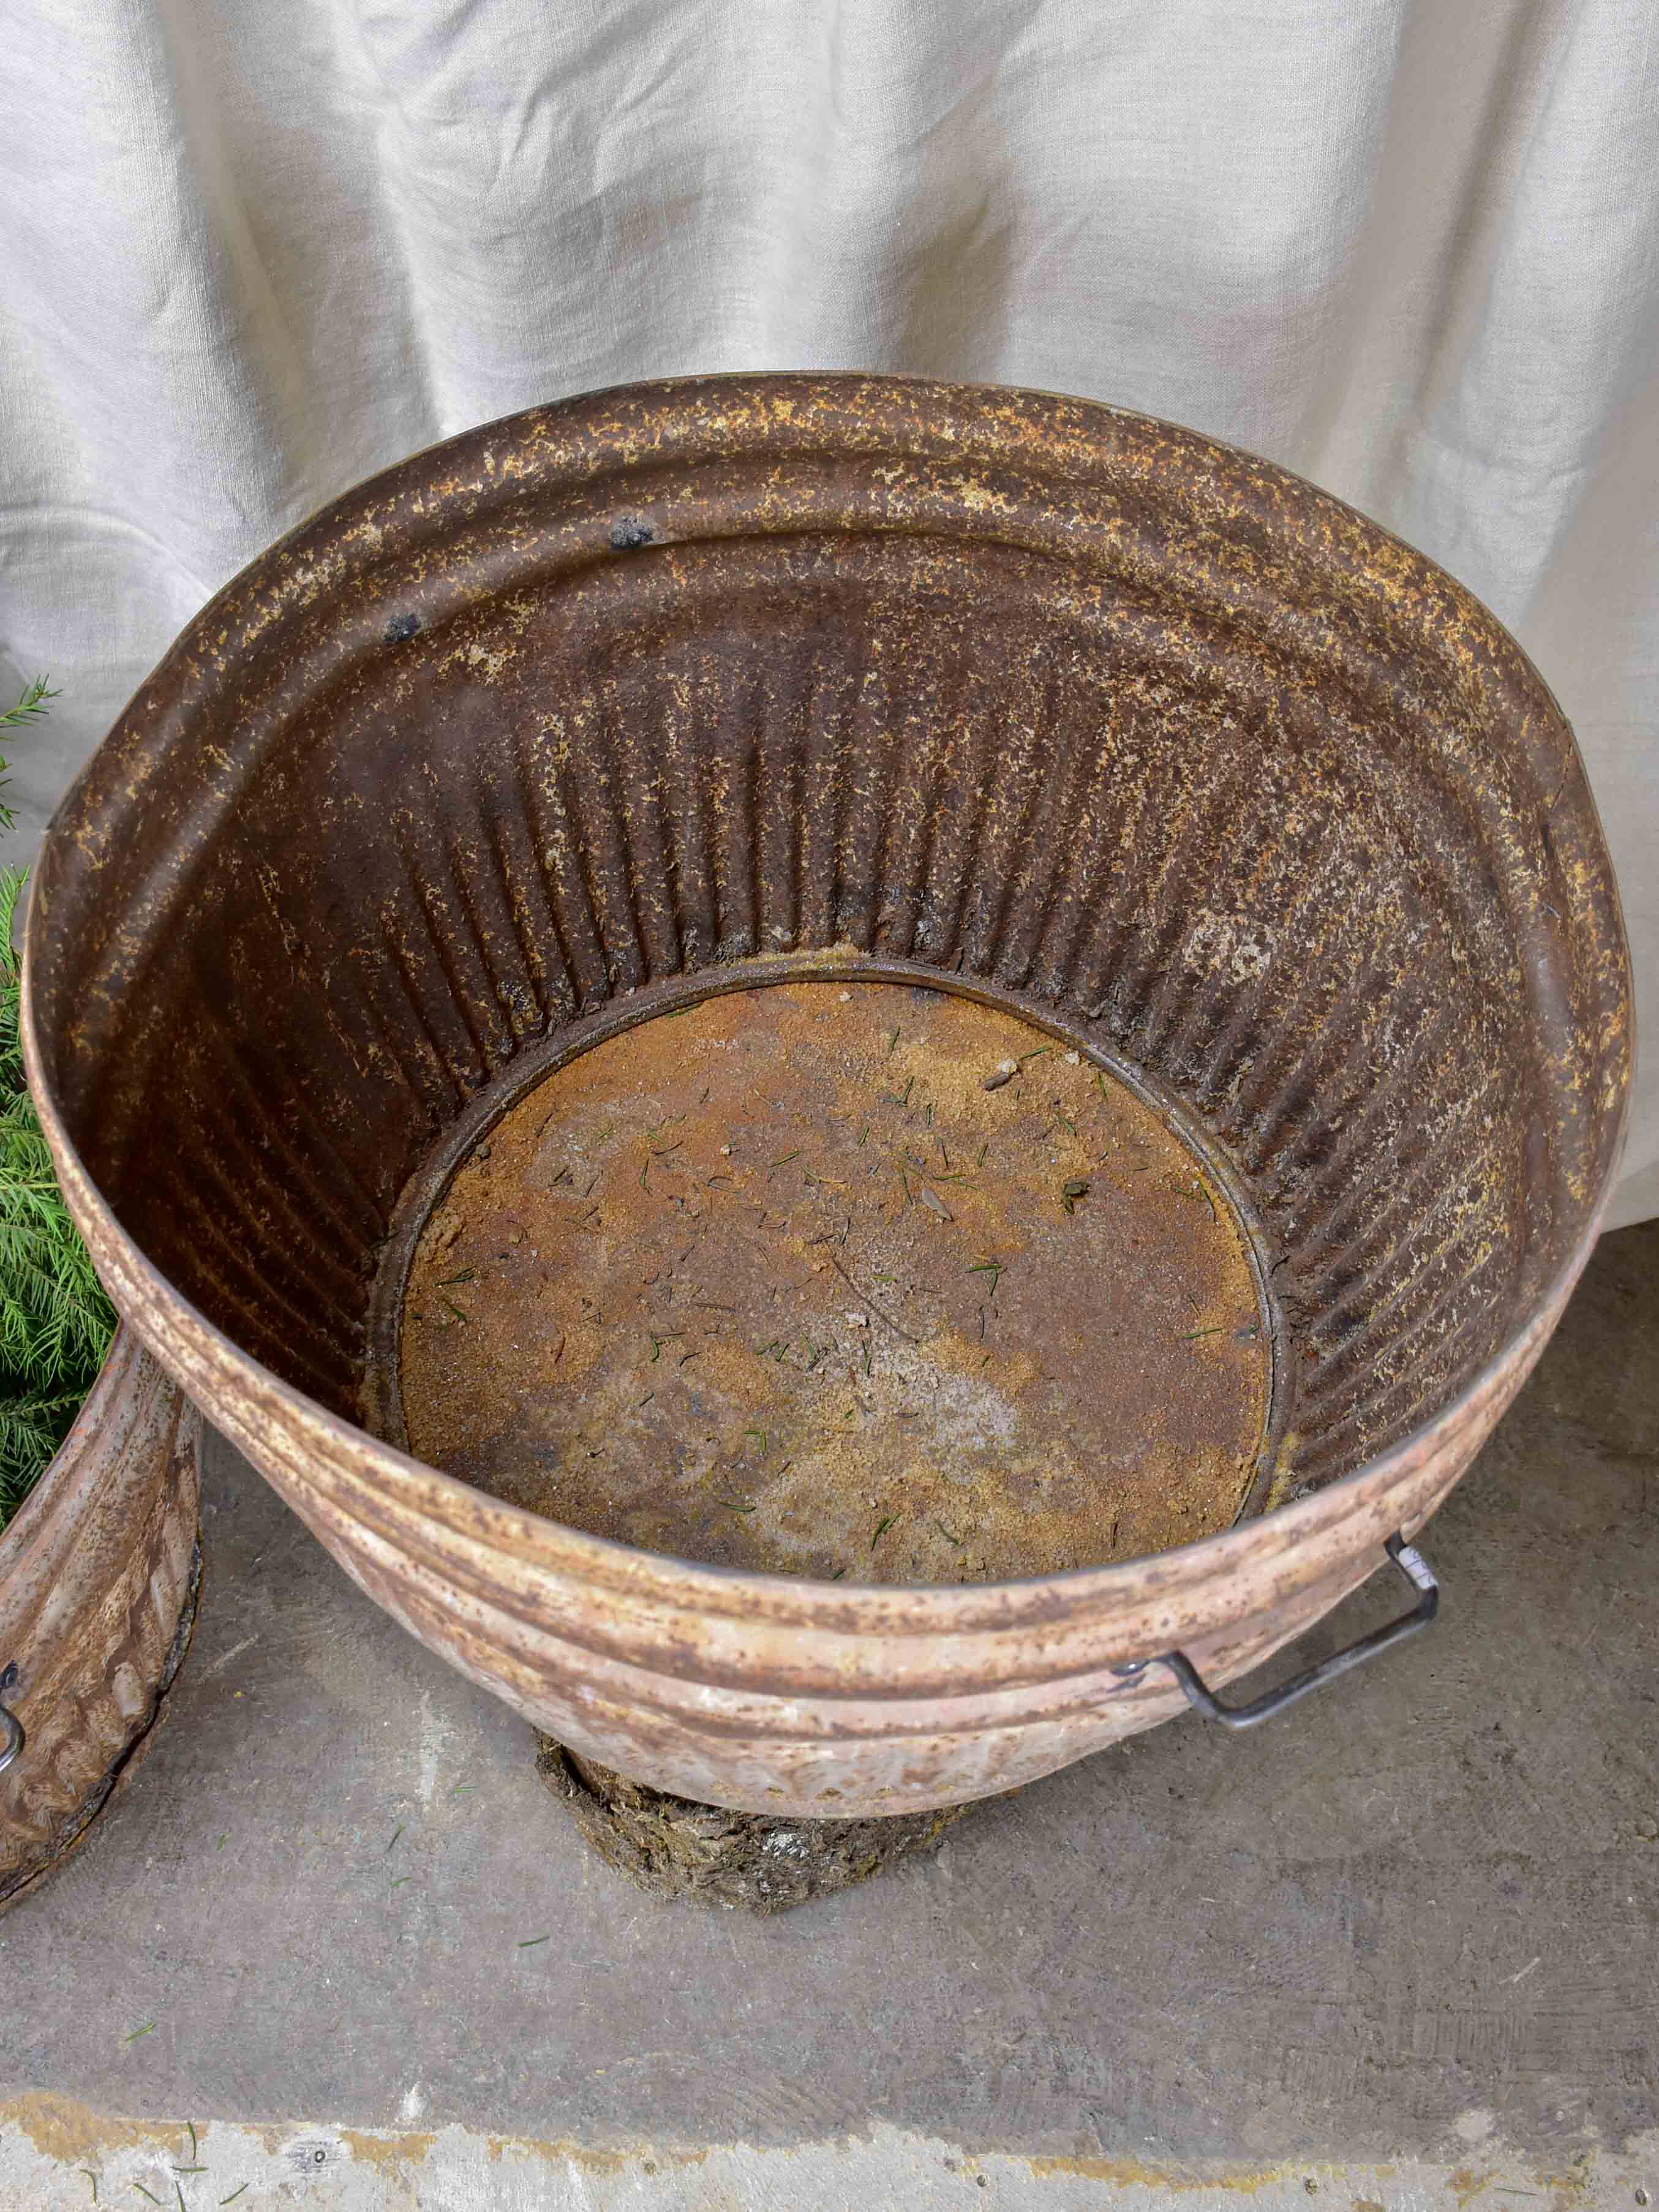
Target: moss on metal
(686,1852)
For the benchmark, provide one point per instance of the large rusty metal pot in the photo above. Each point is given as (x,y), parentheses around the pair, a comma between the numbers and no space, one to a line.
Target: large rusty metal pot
(683,688)
(99,1571)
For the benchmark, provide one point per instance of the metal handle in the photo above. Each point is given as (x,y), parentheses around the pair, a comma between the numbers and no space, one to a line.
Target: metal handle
(11,1729)
(1410,1562)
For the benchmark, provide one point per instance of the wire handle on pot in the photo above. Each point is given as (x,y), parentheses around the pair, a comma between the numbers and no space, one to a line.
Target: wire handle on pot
(1411,1564)
(11,1729)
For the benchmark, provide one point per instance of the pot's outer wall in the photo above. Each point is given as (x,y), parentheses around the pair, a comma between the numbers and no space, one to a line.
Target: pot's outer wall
(98,1574)
(1137,732)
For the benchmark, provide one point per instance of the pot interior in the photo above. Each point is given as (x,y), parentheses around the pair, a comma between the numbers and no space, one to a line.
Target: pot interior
(1147,745)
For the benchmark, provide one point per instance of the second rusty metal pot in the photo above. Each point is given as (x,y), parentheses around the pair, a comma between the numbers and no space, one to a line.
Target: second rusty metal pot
(678,689)
(99,1571)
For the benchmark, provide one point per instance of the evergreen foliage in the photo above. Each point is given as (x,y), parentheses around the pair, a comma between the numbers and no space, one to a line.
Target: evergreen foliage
(55,1320)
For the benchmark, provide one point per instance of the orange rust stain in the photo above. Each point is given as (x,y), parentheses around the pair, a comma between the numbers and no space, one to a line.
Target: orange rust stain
(587,2160)
(65,2129)
(1465,2185)
(1130,2174)
(387,2153)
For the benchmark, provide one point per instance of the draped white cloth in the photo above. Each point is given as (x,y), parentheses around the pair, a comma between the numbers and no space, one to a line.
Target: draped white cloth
(253,250)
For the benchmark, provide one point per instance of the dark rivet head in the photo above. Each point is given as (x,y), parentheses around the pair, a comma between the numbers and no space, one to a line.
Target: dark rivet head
(402,627)
(628,532)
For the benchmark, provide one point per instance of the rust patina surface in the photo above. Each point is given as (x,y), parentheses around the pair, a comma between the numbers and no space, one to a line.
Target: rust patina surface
(780,1284)
(680,690)
(99,1571)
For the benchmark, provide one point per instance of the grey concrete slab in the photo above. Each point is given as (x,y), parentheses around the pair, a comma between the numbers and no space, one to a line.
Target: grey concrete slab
(1414,1917)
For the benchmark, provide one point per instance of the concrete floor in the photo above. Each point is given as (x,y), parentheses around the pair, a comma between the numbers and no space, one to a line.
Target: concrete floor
(1401,1944)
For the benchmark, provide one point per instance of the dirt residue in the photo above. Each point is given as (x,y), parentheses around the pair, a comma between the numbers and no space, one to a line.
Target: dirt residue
(778,1283)
(62,2128)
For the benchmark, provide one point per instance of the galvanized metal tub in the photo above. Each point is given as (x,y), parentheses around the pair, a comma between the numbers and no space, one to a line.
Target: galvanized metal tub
(681,688)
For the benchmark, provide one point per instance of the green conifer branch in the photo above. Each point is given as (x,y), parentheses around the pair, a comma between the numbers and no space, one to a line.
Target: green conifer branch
(56,1322)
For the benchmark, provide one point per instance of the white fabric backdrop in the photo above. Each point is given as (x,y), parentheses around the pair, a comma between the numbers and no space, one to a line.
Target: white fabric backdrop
(253,250)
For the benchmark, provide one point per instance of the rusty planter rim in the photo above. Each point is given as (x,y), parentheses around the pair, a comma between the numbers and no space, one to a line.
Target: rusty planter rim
(19,1531)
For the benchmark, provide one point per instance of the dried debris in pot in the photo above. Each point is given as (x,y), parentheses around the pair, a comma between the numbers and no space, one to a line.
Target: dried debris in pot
(775,1283)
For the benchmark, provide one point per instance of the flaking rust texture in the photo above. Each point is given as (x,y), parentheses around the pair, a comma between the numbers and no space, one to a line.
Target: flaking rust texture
(99,1573)
(779,1283)
(593,711)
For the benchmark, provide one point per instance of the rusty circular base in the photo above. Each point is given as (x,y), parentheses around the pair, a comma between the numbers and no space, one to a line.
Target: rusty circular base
(115,1782)
(684,1852)
(847,1279)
